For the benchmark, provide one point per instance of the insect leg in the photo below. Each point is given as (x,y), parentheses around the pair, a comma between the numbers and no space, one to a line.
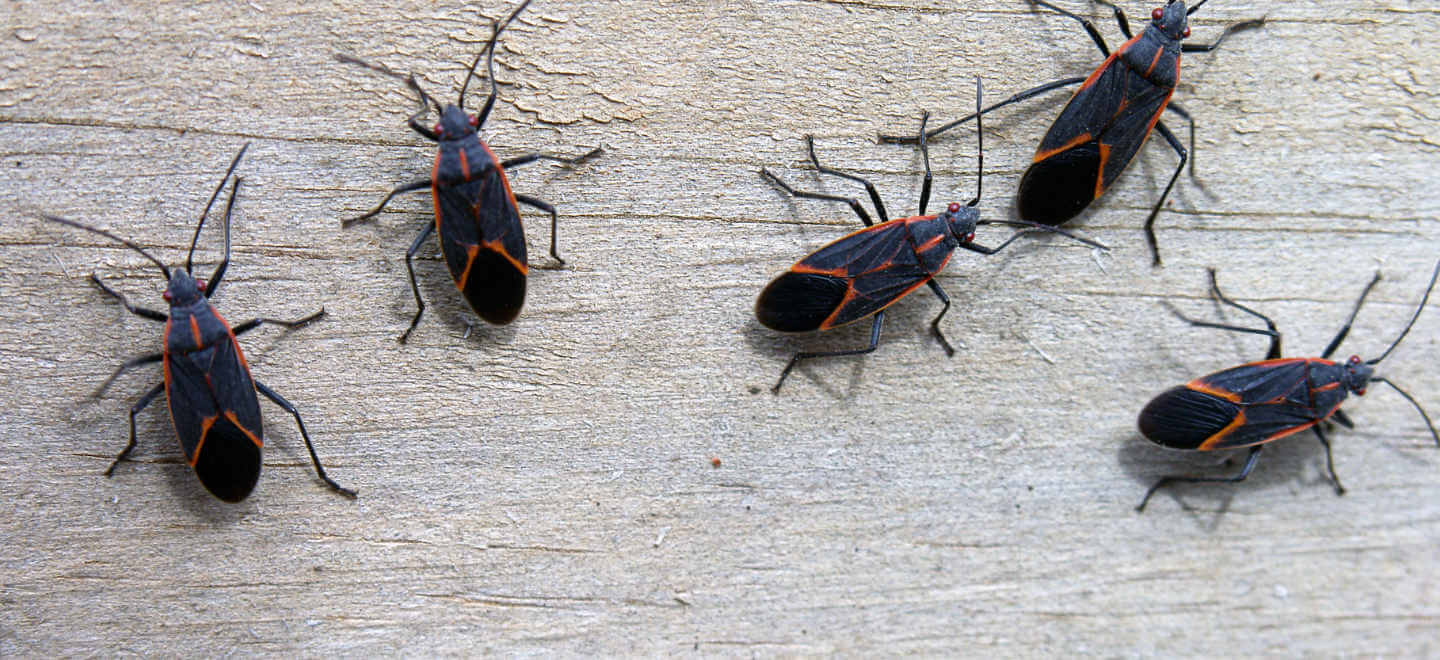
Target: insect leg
(1185,114)
(554,221)
(1244,472)
(133,309)
(854,203)
(1090,27)
(935,324)
(874,341)
(1329,460)
(530,158)
(1150,221)
(414,287)
(135,362)
(1205,48)
(869,188)
(417,184)
(289,325)
(319,469)
(135,410)
(1016,98)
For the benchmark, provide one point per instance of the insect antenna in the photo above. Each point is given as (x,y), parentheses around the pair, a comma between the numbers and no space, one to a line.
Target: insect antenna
(1411,324)
(189,258)
(57,219)
(489,66)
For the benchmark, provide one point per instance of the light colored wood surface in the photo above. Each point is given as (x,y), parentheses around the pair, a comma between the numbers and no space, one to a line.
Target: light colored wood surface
(547,486)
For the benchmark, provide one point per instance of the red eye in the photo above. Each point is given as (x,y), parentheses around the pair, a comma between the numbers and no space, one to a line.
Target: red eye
(439,130)
(1354,359)
(1186,33)
(475,121)
(200,284)
(166,296)
(954,207)
(970,237)
(1157,14)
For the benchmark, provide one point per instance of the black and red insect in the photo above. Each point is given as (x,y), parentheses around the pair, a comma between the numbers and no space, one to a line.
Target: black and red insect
(859,275)
(1109,117)
(207,381)
(1257,403)
(477,217)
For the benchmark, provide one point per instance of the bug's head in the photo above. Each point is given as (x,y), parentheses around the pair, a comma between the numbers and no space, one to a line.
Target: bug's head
(961,220)
(1171,19)
(455,123)
(183,289)
(1358,374)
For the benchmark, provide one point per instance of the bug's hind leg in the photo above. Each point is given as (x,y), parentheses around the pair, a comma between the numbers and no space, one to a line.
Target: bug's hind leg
(1244,472)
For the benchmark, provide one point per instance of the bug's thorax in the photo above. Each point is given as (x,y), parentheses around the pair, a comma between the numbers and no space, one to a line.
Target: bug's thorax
(194,325)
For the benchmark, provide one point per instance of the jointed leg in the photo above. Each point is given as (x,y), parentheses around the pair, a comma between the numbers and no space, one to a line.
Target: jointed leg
(869,188)
(1329,460)
(1016,98)
(417,184)
(289,325)
(854,203)
(143,359)
(1244,472)
(874,341)
(554,221)
(1205,48)
(1090,27)
(135,410)
(415,287)
(530,158)
(1271,332)
(142,312)
(935,324)
(1150,221)
(319,469)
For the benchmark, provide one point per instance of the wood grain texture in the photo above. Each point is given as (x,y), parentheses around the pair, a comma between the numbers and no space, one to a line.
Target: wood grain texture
(547,487)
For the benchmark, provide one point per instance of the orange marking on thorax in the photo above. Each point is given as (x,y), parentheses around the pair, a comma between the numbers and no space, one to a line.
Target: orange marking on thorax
(1153,61)
(931,243)
(464,164)
(195,331)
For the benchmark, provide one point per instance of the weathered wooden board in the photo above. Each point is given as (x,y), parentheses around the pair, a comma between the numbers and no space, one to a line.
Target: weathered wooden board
(547,486)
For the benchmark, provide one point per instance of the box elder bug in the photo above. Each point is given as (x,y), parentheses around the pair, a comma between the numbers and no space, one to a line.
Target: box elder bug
(1255,403)
(477,216)
(1108,118)
(861,274)
(207,381)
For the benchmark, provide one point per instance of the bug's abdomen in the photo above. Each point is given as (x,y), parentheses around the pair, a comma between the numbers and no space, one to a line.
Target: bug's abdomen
(1182,418)
(800,302)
